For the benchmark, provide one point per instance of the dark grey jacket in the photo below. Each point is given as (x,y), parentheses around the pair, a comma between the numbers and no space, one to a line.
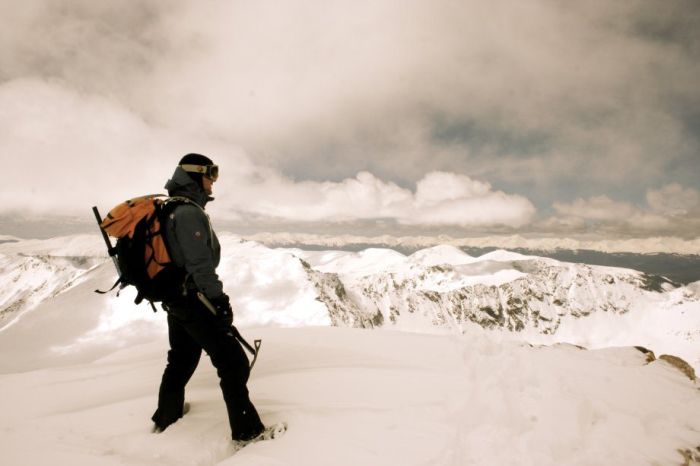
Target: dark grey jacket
(191,239)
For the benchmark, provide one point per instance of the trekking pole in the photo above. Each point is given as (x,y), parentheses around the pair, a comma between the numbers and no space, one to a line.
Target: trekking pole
(111,250)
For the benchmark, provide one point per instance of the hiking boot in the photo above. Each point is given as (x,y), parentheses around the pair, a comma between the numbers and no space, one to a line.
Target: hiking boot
(156,429)
(272,432)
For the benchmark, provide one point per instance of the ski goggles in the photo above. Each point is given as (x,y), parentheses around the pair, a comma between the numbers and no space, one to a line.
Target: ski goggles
(210,171)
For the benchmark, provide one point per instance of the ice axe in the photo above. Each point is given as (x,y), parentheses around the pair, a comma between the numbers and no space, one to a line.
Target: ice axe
(236,334)
(110,249)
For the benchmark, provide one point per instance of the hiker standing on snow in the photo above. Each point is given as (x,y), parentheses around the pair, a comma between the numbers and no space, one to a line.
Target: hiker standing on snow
(191,325)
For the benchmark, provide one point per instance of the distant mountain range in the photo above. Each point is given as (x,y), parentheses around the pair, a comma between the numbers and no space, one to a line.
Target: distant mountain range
(679,268)
(497,289)
(536,299)
(682,269)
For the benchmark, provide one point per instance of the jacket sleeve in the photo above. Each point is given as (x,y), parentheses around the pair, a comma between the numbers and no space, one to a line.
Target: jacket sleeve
(195,238)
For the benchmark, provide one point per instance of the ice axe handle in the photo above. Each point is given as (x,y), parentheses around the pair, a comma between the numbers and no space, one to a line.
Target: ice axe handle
(111,250)
(206,302)
(254,351)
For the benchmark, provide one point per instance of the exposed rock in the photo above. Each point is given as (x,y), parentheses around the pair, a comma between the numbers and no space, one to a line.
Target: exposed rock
(679,364)
(690,457)
(342,310)
(647,352)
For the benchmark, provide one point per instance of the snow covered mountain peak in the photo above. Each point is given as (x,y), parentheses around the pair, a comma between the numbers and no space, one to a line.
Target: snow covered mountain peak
(501,255)
(442,254)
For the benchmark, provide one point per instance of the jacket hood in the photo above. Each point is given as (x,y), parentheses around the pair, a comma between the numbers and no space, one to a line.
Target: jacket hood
(180,184)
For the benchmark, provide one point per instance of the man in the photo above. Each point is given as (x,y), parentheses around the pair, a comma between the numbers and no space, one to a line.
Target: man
(192,327)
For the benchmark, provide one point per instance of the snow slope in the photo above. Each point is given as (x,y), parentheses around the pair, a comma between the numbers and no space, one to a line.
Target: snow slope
(35,270)
(362,397)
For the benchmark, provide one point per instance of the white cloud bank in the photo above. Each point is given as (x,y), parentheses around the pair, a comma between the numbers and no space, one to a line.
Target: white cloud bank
(440,199)
(335,112)
(69,151)
(64,151)
(671,208)
(674,200)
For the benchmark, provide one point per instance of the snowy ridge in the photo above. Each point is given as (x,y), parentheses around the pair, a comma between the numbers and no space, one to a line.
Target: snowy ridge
(498,289)
(532,298)
(36,270)
(511,295)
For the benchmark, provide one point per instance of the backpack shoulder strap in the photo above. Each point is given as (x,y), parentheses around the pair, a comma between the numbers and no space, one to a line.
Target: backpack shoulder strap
(173,202)
(180,200)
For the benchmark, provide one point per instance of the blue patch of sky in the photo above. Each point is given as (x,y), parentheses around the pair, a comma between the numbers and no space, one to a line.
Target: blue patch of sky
(488,140)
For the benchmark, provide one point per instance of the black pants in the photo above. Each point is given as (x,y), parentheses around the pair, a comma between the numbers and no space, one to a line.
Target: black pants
(191,328)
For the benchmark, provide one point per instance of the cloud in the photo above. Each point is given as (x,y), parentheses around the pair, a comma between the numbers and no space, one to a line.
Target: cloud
(674,200)
(440,199)
(96,47)
(64,151)
(434,113)
(595,208)
(58,143)
(568,93)
(587,91)
(671,209)
(87,149)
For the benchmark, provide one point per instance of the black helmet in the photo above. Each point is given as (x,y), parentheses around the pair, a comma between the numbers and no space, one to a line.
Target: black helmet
(197,166)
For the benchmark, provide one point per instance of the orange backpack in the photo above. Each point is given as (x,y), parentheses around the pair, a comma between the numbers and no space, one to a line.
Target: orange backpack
(141,253)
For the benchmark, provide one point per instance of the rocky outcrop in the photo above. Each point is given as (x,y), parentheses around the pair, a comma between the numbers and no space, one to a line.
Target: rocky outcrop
(342,310)
(679,364)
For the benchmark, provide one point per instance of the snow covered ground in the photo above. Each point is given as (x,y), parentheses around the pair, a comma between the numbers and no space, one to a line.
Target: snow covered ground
(79,376)
(363,397)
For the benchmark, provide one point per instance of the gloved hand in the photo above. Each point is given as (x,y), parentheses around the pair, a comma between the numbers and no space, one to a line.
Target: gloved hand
(224,311)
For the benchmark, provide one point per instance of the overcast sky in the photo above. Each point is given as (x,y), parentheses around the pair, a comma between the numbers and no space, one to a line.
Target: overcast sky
(434,117)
